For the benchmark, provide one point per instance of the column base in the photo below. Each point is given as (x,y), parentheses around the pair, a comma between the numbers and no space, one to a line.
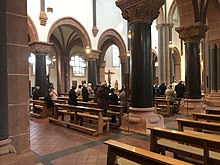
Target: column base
(192,105)
(7,152)
(213,99)
(140,118)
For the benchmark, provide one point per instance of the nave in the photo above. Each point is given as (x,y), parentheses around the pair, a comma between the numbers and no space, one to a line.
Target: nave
(56,145)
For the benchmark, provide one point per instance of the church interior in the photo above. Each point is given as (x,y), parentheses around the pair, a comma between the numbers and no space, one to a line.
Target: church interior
(160,58)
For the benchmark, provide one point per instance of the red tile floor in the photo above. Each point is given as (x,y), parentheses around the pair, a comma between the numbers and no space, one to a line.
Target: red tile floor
(56,145)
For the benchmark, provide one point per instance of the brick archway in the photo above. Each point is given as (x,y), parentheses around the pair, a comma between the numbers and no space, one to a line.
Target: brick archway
(32,31)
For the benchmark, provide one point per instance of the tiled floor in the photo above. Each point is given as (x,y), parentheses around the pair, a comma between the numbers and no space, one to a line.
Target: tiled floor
(56,145)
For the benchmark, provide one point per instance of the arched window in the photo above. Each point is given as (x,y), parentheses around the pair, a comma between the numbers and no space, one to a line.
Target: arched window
(32,62)
(78,64)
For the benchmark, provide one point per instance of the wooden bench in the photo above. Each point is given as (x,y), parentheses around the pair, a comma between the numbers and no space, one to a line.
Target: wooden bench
(81,111)
(189,147)
(206,117)
(163,106)
(129,155)
(212,110)
(198,125)
(116,110)
(39,108)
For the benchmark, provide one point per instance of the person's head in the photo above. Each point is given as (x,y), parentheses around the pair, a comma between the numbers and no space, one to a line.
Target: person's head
(73,87)
(79,86)
(112,90)
(89,84)
(37,87)
(104,84)
(170,86)
(84,85)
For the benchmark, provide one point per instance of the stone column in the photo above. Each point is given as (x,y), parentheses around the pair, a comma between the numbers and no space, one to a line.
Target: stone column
(6,149)
(40,49)
(92,66)
(192,35)
(214,73)
(140,14)
(165,53)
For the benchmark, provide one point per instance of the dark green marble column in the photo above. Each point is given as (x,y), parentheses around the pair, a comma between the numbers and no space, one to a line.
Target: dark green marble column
(141,79)
(92,72)
(3,74)
(192,71)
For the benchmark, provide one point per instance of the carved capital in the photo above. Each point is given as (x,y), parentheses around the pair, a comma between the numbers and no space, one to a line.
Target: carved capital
(43,18)
(39,47)
(140,11)
(93,55)
(192,33)
(212,43)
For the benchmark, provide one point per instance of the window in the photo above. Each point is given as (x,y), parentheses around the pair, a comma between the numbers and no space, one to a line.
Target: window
(115,56)
(78,64)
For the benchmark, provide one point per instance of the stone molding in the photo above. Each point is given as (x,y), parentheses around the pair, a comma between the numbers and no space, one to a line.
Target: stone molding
(39,47)
(212,43)
(93,55)
(43,18)
(192,33)
(163,25)
(140,11)
(6,147)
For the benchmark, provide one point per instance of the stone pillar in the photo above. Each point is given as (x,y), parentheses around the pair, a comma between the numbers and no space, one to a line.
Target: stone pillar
(125,65)
(6,149)
(192,35)
(40,49)
(140,15)
(92,66)
(213,98)
(165,53)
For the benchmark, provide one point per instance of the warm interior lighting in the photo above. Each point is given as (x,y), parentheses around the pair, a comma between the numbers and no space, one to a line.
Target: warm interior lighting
(88,50)
(128,54)
(54,58)
(129,34)
(170,44)
(49,8)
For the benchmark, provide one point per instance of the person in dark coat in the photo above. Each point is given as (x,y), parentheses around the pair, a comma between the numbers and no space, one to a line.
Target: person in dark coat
(180,90)
(113,98)
(162,88)
(85,93)
(36,93)
(95,92)
(103,97)
(72,96)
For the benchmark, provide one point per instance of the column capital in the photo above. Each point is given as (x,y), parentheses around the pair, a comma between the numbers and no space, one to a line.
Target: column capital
(140,11)
(193,32)
(39,47)
(212,43)
(162,25)
(93,55)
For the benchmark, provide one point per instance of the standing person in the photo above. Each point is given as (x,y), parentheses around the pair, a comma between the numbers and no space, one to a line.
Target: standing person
(53,93)
(170,93)
(123,99)
(103,97)
(162,88)
(90,90)
(72,96)
(113,98)
(79,90)
(36,93)
(156,90)
(180,90)
(95,92)
(50,104)
(85,93)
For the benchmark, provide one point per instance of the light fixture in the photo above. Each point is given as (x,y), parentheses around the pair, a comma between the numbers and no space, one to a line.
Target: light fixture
(128,53)
(170,44)
(49,8)
(88,50)
(54,58)
(129,34)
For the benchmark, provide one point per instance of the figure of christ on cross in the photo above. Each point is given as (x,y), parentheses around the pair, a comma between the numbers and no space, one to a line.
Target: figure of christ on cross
(109,73)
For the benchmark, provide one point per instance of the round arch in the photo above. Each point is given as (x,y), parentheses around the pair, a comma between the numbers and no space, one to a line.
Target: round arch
(177,63)
(77,26)
(171,12)
(32,30)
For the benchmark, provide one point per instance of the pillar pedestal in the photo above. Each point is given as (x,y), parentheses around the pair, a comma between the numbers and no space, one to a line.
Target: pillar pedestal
(141,118)
(7,152)
(213,99)
(191,105)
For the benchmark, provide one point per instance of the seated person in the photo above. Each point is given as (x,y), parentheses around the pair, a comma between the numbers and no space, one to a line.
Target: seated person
(36,93)
(50,103)
(113,98)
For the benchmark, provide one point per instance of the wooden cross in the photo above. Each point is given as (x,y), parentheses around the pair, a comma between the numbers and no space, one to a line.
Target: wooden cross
(109,73)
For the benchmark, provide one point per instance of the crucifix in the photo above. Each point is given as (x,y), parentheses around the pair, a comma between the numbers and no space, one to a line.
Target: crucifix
(109,73)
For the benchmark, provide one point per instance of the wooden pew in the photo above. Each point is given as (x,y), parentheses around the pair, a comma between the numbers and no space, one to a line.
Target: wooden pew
(80,111)
(39,108)
(198,125)
(127,152)
(190,147)
(116,110)
(206,117)
(212,110)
